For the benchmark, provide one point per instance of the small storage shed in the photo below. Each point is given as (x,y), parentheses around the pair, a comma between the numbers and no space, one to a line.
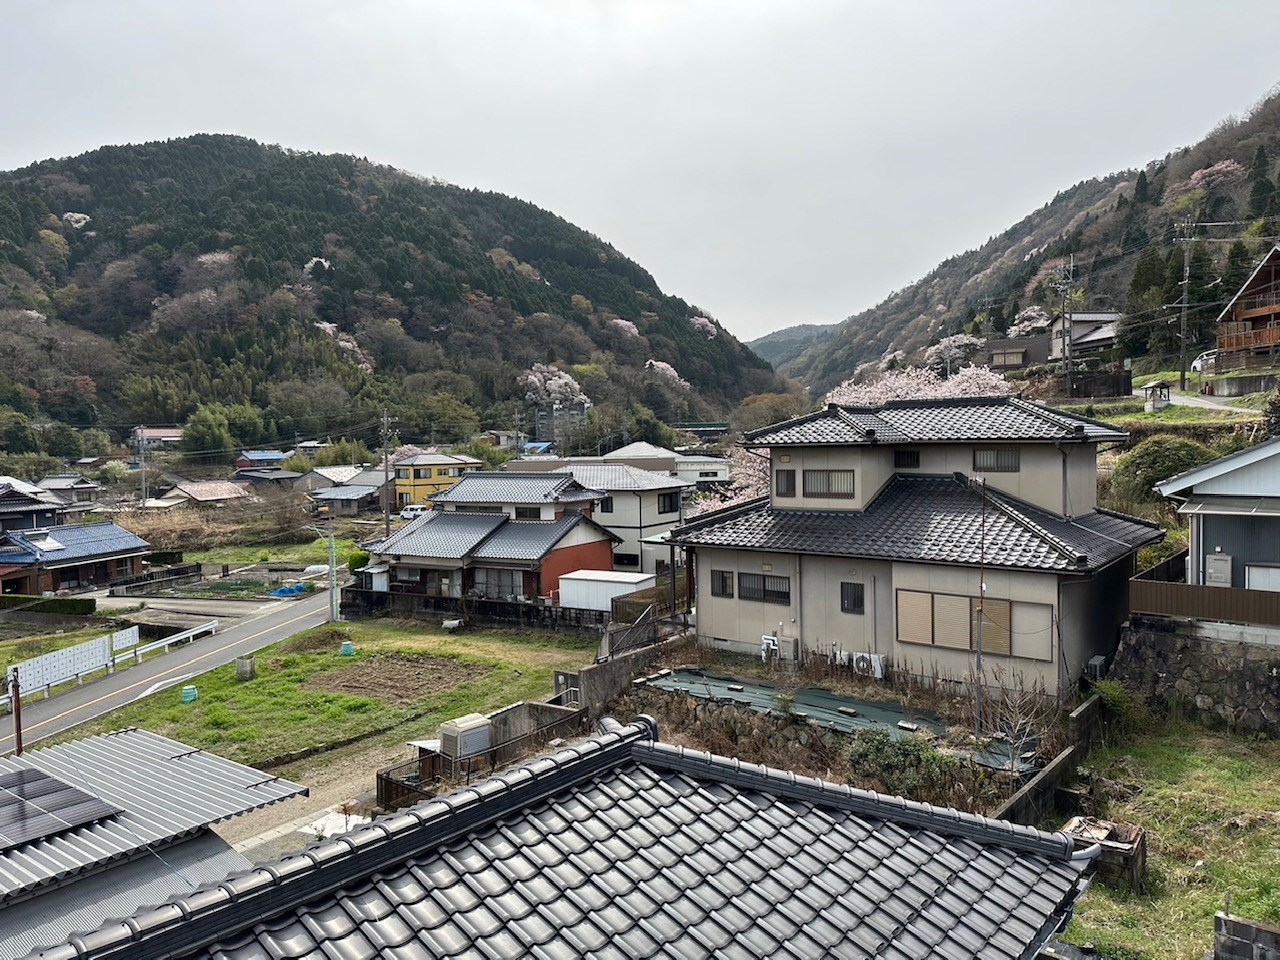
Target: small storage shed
(595,589)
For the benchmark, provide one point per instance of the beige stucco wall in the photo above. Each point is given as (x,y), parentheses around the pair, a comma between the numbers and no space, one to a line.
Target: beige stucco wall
(823,627)
(737,625)
(1039,480)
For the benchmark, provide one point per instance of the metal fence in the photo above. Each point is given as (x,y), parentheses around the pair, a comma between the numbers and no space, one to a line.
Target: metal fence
(655,601)
(137,584)
(74,663)
(1228,604)
(357,602)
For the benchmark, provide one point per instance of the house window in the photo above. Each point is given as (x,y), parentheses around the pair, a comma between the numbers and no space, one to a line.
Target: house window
(402,473)
(669,502)
(442,471)
(708,474)
(722,583)
(828,483)
(784,483)
(996,626)
(851,598)
(764,588)
(997,460)
(528,513)
(626,559)
(945,620)
(906,459)
(606,505)
(422,473)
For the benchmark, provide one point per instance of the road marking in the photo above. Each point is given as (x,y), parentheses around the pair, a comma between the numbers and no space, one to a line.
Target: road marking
(132,686)
(161,684)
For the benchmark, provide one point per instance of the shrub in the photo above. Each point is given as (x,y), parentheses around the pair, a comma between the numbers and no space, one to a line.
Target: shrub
(907,766)
(357,559)
(1153,460)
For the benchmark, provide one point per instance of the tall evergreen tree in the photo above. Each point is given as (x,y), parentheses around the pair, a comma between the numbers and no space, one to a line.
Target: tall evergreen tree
(1141,189)
(1261,163)
(1260,195)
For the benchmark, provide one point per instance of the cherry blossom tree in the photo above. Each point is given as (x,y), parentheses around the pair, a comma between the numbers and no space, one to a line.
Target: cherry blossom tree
(919,383)
(748,480)
(1030,322)
(667,371)
(950,353)
(704,325)
(546,385)
(626,326)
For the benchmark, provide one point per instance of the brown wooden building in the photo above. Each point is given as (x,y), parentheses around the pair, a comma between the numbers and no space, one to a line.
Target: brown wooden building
(1249,327)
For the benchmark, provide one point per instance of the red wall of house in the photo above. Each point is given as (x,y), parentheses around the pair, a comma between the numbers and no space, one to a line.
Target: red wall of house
(585,556)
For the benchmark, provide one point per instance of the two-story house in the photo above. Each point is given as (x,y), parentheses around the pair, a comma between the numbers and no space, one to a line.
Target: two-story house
(25,506)
(887,529)
(417,478)
(1249,325)
(637,505)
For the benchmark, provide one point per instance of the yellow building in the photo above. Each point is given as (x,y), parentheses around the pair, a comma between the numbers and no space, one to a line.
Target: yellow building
(419,477)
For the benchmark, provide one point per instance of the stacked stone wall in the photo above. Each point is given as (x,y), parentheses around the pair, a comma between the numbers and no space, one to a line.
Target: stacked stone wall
(1219,683)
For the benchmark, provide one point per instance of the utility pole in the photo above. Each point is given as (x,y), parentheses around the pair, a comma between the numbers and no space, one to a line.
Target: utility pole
(1186,300)
(386,475)
(334,616)
(982,594)
(15,697)
(142,460)
(1063,286)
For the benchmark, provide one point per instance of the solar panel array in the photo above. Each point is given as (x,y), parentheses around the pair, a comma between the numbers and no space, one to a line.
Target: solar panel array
(34,805)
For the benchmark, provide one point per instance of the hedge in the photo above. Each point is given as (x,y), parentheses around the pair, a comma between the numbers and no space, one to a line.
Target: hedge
(74,606)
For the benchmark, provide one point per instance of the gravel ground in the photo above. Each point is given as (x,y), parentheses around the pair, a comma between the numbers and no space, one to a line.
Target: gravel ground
(334,778)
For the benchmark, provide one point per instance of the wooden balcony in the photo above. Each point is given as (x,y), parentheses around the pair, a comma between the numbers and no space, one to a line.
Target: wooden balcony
(1261,339)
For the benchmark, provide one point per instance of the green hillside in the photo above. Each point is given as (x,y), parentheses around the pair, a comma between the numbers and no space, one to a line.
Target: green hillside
(139,282)
(1120,229)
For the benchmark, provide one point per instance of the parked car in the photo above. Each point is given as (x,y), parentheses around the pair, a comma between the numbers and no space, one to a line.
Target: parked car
(412,510)
(1205,361)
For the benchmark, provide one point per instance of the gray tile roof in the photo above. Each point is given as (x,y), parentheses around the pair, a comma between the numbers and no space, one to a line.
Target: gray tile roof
(372,477)
(620,847)
(509,487)
(71,543)
(972,419)
(337,474)
(165,789)
(929,520)
(619,477)
(448,536)
(531,539)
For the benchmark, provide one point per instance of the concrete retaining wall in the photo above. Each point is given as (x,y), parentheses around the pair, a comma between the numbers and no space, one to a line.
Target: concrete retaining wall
(1237,939)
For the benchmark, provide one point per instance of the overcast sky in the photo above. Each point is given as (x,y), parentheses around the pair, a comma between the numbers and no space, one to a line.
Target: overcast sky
(774,163)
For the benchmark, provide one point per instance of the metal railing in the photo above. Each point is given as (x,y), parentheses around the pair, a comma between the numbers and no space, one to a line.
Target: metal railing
(136,654)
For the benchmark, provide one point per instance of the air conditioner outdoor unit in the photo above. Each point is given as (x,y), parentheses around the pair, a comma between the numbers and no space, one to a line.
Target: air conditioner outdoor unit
(1097,667)
(869,665)
(465,736)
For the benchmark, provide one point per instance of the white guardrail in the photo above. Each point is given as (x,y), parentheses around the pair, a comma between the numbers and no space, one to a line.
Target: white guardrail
(74,663)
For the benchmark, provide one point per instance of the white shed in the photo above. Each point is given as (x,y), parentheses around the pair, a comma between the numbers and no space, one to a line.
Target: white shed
(595,589)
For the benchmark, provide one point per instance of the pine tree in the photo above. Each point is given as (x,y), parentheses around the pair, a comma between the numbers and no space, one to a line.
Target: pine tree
(1261,163)
(1239,266)
(1141,189)
(1260,195)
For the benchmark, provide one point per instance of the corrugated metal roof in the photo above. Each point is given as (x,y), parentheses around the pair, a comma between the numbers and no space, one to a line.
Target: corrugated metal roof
(55,914)
(640,450)
(344,493)
(165,789)
(447,536)
(618,845)
(622,477)
(205,491)
(337,474)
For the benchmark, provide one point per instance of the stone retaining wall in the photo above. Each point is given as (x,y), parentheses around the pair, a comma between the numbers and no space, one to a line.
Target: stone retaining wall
(1231,684)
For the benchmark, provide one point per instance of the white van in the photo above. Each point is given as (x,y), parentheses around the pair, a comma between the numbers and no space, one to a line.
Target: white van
(412,510)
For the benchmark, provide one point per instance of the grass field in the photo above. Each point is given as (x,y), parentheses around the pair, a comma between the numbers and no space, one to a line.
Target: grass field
(1210,804)
(317,551)
(307,694)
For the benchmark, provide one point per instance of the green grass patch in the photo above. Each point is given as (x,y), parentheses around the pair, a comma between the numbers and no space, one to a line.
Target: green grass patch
(1210,804)
(307,694)
(1186,414)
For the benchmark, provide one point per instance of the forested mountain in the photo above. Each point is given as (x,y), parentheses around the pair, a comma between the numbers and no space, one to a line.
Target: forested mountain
(1121,230)
(140,282)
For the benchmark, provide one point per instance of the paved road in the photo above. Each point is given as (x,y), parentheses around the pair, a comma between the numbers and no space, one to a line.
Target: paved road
(269,624)
(1197,400)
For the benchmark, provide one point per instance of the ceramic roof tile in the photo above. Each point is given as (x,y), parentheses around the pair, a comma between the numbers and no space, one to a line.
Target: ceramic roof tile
(486,487)
(424,885)
(69,543)
(973,419)
(443,535)
(611,477)
(929,520)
